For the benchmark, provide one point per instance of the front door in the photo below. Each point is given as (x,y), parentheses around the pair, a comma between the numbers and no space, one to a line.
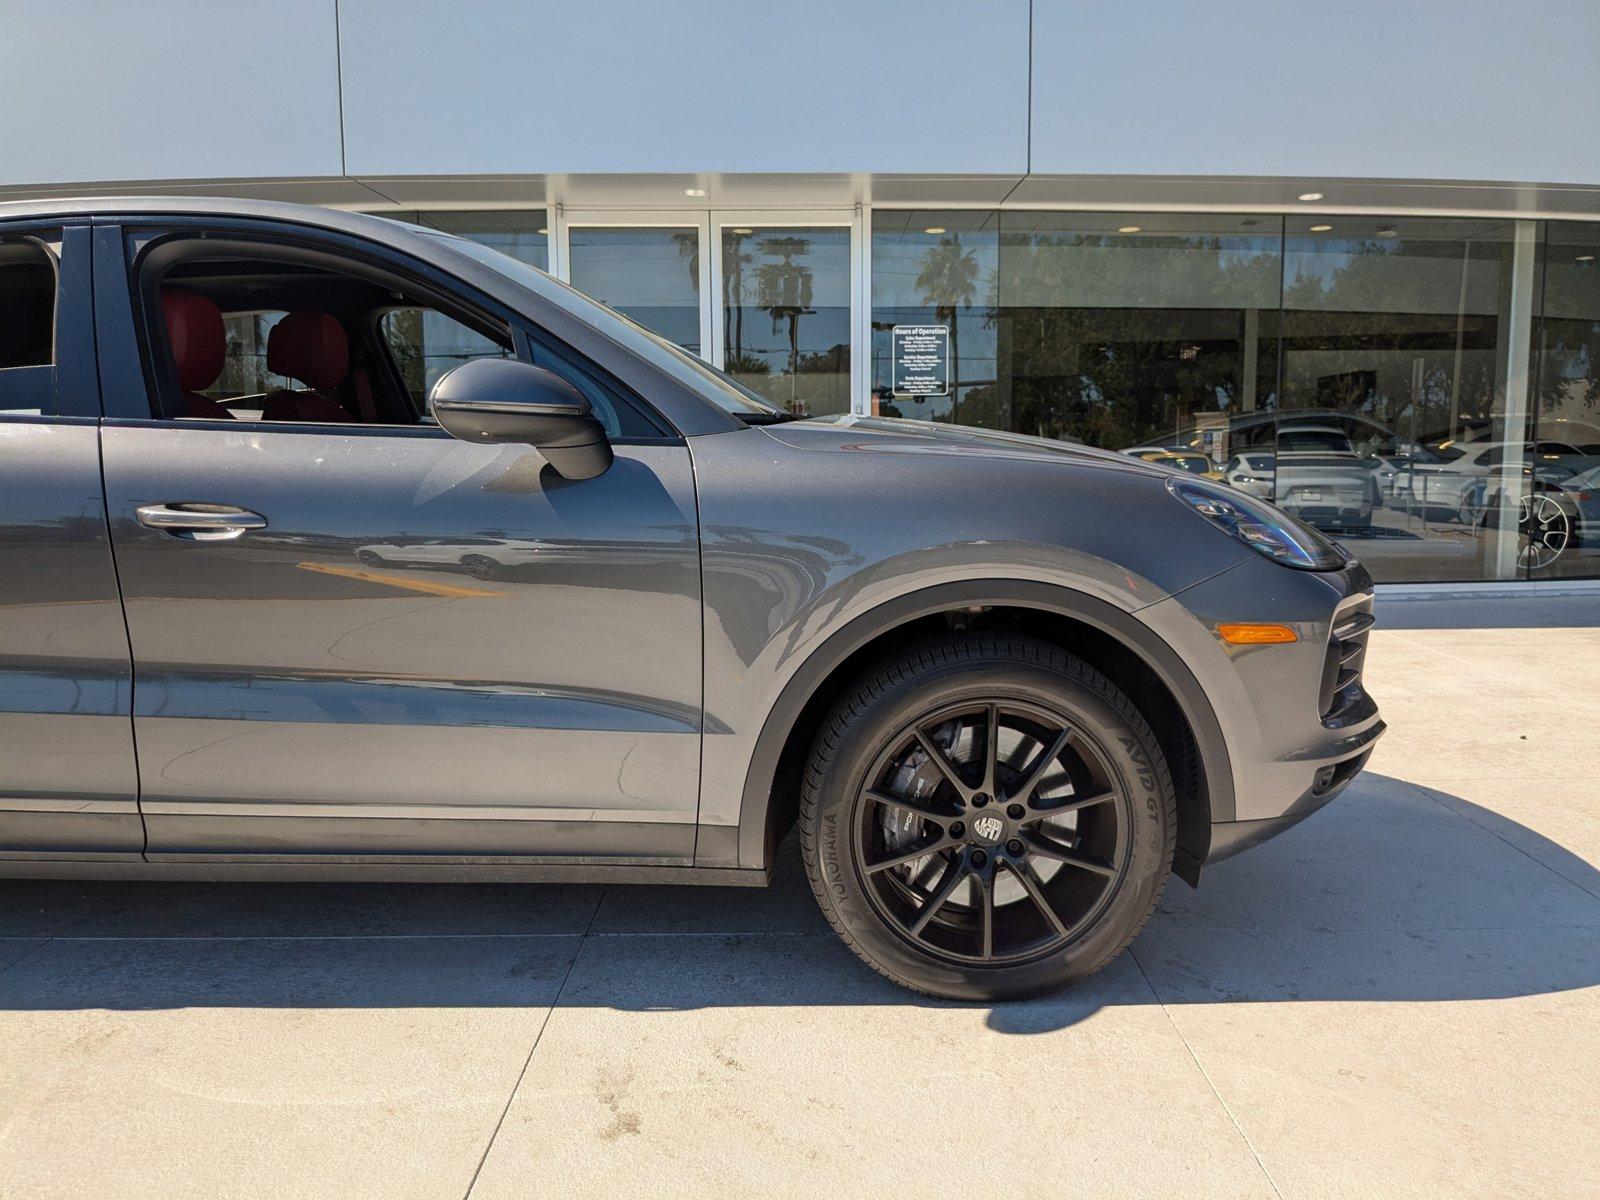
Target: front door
(361,637)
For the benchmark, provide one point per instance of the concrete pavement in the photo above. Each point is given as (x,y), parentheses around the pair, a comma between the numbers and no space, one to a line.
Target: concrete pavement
(1399,998)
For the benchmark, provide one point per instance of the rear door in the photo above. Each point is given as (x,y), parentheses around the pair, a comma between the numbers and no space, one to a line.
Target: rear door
(68,787)
(407,646)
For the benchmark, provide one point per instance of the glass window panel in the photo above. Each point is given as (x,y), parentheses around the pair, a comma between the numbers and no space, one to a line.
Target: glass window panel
(650,275)
(937,268)
(1392,429)
(520,233)
(786,315)
(425,344)
(1141,332)
(1559,508)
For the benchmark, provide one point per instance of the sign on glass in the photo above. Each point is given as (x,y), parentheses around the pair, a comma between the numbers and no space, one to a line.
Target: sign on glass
(921,360)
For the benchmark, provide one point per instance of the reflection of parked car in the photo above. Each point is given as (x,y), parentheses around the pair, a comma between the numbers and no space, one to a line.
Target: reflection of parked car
(1557,510)
(1251,474)
(1454,476)
(483,558)
(1321,479)
(1191,461)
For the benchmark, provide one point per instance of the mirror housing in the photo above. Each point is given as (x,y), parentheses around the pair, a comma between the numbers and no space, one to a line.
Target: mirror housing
(505,400)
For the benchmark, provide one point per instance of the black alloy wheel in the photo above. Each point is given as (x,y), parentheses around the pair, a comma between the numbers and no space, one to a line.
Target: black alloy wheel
(991,832)
(985,816)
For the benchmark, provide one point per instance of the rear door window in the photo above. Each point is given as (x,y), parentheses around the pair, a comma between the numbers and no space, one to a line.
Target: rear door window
(27,326)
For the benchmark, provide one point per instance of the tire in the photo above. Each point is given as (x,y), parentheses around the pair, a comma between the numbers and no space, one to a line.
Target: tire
(1088,834)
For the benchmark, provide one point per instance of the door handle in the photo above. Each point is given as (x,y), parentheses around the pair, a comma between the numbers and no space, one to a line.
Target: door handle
(200,522)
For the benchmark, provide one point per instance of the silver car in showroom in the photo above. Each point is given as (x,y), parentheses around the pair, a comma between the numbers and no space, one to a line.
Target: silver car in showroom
(1004,686)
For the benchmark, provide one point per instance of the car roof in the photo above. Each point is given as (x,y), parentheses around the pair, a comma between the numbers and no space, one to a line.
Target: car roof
(218,206)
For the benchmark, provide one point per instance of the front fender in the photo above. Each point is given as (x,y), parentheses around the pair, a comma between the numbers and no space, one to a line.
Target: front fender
(754,794)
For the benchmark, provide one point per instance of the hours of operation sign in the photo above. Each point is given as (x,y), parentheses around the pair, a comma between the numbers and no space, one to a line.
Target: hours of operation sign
(921,360)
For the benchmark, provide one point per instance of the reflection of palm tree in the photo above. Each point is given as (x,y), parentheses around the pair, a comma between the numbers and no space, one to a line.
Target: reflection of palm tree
(736,259)
(948,281)
(688,244)
(783,288)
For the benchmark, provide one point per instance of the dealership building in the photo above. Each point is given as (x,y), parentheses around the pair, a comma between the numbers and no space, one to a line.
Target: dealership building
(1343,255)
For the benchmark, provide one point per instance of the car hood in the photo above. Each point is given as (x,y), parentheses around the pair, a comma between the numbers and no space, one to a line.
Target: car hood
(898,436)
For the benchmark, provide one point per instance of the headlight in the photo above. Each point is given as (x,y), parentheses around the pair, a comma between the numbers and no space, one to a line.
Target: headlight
(1260,526)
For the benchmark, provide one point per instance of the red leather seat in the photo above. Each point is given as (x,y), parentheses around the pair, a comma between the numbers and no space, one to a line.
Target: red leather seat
(310,346)
(199,345)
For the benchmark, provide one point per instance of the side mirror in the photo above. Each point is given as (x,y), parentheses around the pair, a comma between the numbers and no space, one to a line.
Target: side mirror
(504,400)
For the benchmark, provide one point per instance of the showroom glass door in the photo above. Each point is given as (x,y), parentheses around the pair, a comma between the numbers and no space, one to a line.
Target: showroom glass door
(647,266)
(782,320)
(774,298)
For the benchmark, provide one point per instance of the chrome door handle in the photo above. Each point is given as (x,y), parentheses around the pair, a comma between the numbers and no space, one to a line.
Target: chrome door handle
(200,522)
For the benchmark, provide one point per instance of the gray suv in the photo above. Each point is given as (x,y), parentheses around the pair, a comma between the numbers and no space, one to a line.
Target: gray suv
(341,549)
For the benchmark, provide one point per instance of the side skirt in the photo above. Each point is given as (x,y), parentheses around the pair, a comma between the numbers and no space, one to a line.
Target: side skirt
(244,870)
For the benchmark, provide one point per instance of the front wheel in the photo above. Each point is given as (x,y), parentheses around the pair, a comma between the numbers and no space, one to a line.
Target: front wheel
(987,817)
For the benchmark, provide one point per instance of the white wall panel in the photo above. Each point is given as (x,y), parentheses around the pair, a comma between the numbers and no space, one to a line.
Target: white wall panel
(167,89)
(526,86)
(1434,89)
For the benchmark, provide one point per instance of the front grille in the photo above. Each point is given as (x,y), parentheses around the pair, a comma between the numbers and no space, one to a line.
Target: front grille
(1347,651)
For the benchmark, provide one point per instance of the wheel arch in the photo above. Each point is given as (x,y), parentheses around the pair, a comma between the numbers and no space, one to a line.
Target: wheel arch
(1112,639)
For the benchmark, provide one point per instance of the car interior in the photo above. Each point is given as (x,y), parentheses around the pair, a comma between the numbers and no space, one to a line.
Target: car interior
(262,340)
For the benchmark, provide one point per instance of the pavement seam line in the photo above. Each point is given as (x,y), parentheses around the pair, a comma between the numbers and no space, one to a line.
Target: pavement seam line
(92,909)
(1204,1074)
(522,1074)
(1436,797)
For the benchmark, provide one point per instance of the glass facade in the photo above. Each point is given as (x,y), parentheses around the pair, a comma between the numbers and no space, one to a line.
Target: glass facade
(1425,389)
(1560,510)
(1360,372)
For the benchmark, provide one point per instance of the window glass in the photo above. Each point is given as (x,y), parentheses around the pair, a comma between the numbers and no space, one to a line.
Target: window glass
(1559,504)
(1352,370)
(257,337)
(425,344)
(27,327)
(938,268)
(1392,430)
(1123,330)
(244,364)
(650,275)
(786,315)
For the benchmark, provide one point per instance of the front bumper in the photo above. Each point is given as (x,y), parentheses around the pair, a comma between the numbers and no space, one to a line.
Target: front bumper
(1296,720)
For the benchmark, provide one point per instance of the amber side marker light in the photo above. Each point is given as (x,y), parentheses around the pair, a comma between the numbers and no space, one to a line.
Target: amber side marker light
(1257,635)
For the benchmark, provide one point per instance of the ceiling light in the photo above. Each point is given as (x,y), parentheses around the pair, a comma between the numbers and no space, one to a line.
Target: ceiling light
(1321,228)
(1388,233)
(934,229)
(694,191)
(744,232)
(1308,197)
(1584,258)
(1129,228)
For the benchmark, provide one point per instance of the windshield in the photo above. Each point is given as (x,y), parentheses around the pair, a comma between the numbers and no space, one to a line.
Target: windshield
(727,394)
(1312,440)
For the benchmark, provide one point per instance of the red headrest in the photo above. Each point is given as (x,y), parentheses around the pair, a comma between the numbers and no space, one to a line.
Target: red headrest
(194,330)
(309,346)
